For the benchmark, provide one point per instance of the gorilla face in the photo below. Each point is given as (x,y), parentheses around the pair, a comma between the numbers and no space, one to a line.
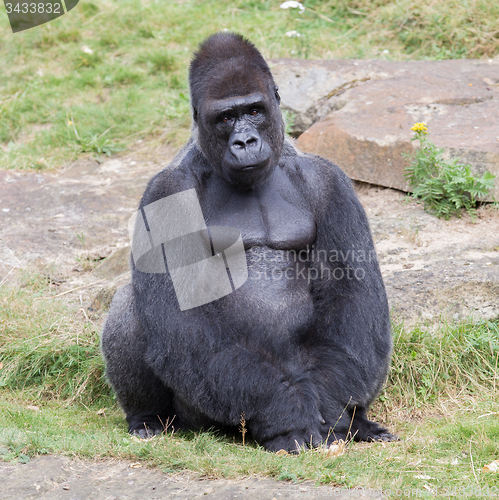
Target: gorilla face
(237,136)
(236,110)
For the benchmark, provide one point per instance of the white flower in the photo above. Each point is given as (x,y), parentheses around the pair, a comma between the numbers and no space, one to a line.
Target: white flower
(293,5)
(87,49)
(293,34)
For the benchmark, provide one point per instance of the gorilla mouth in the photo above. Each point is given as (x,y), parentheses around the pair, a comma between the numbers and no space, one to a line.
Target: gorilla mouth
(253,164)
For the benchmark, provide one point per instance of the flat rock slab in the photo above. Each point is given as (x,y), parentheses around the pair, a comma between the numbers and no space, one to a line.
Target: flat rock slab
(434,269)
(56,478)
(360,113)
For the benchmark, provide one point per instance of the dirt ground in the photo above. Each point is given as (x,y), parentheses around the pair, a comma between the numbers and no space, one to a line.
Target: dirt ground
(57,478)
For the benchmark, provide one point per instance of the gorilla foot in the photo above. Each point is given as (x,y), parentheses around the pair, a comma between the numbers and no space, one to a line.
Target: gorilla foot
(146,433)
(145,427)
(383,436)
(371,431)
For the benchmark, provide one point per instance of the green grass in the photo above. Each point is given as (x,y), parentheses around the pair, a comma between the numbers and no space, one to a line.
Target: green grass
(58,101)
(46,350)
(441,397)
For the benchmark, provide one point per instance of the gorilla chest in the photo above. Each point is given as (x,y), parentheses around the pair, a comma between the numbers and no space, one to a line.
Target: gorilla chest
(279,221)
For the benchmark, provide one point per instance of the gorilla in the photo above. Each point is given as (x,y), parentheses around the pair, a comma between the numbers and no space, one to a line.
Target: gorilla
(300,345)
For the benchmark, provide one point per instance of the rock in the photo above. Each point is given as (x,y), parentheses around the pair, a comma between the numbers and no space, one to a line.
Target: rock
(362,111)
(434,269)
(310,90)
(74,213)
(431,267)
(102,300)
(114,265)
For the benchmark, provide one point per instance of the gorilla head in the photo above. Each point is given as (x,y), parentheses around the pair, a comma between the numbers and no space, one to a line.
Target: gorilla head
(236,109)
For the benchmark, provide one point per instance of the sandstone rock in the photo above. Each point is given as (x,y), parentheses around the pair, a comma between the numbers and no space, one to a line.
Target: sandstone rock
(102,300)
(53,221)
(434,269)
(114,265)
(362,112)
(310,90)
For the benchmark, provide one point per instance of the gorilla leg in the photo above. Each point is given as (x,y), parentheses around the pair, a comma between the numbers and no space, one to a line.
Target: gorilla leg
(145,400)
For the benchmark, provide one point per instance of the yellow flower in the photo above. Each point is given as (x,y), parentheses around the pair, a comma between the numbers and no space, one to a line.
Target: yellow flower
(420,127)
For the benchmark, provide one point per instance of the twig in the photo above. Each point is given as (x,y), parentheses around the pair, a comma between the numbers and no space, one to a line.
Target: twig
(6,276)
(78,288)
(489,414)
(243,429)
(351,421)
(473,465)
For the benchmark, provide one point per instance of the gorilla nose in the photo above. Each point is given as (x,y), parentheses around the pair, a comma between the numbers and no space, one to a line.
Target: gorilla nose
(244,141)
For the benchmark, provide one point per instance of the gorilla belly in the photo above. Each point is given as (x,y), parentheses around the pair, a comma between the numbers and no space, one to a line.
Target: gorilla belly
(275,299)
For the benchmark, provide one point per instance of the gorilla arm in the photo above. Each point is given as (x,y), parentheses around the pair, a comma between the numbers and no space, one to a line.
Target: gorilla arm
(351,344)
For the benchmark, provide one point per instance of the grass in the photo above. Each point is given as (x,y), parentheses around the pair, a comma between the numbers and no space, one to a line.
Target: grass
(441,397)
(107,75)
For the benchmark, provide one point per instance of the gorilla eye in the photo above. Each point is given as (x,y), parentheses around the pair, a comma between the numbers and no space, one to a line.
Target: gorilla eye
(254,112)
(225,118)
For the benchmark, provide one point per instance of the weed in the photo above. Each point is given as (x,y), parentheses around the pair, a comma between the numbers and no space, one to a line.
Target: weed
(445,187)
(242,428)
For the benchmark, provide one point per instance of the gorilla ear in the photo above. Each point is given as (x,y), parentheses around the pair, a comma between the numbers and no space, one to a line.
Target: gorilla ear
(195,114)
(276,93)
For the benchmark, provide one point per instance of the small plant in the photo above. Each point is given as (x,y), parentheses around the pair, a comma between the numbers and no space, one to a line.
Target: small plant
(446,187)
(242,428)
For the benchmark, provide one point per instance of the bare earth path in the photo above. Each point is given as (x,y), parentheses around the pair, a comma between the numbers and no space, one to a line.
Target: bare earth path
(55,478)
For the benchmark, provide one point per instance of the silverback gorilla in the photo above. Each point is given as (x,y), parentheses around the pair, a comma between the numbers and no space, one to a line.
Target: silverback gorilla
(302,347)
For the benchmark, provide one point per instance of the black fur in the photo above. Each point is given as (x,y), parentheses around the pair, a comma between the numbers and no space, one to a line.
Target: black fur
(303,347)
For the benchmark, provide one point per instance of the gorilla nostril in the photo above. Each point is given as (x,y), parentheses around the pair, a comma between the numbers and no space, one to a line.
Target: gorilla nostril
(245,143)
